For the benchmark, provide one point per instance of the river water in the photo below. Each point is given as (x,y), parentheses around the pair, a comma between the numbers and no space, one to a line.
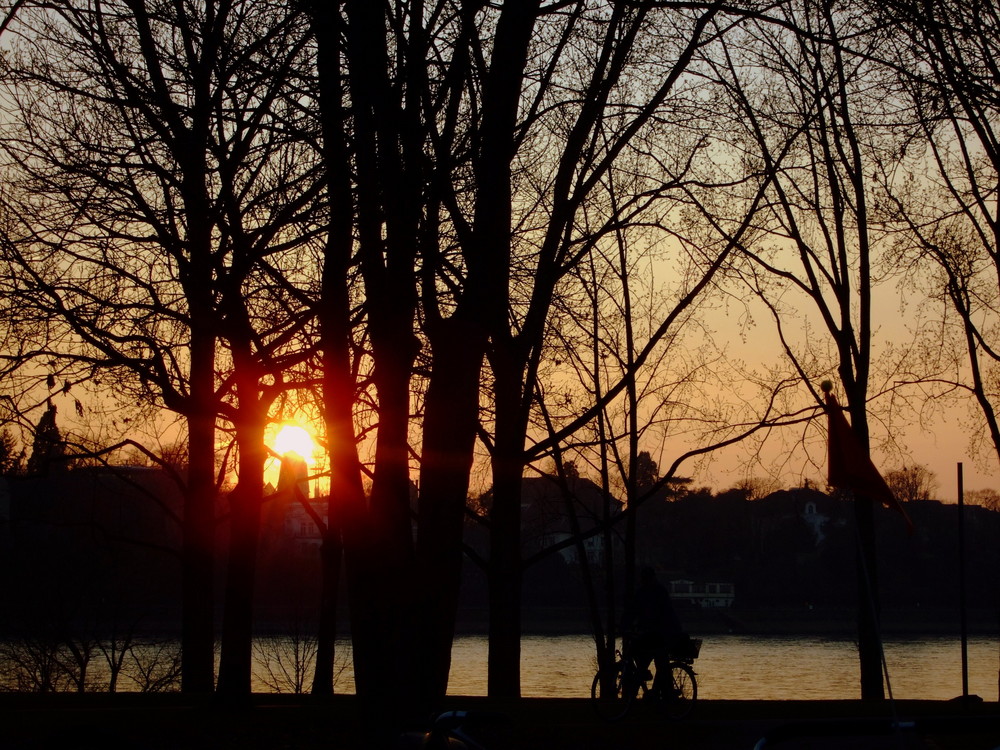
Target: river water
(738,667)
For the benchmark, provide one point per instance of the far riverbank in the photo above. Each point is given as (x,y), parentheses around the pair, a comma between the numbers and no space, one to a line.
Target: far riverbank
(763,621)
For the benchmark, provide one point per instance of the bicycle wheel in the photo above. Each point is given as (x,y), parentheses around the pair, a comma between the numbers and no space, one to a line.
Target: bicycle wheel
(680,702)
(613,703)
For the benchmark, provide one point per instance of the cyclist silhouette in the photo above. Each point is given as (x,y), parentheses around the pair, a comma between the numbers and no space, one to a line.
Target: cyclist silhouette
(649,616)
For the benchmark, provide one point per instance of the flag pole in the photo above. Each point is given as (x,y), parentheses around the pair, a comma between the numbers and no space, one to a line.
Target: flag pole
(964,625)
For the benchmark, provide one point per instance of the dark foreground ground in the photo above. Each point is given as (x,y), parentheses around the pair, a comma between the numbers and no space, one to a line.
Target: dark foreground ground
(174,722)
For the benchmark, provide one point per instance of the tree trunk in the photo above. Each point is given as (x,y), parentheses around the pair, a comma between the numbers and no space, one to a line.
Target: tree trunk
(198,563)
(504,669)
(198,566)
(347,501)
(489,273)
(505,572)
(326,637)
(868,607)
(347,528)
(379,557)
(451,414)
(869,637)
(235,664)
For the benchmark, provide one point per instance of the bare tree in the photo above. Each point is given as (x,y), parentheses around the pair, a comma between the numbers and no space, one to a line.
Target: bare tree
(154,666)
(11,454)
(32,665)
(528,112)
(911,483)
(941,186)
(755,488)
(805,120)
(286,662)
(986,498)
(622,371)
(337,321)
(156,181)
(615,121)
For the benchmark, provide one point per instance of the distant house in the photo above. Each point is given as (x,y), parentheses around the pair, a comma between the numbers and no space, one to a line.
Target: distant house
(703,595)
(285,518)
(551,511)
(816,510)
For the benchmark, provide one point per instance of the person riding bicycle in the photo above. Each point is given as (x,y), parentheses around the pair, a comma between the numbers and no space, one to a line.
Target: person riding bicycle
(650,618)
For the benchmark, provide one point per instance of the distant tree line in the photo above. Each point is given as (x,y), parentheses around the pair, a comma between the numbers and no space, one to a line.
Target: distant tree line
(786,551)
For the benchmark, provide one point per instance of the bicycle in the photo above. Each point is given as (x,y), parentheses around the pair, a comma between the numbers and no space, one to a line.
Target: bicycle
(676,701)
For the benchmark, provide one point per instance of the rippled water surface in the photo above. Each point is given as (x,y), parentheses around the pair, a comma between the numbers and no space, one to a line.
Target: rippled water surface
(733,667)
(730,667)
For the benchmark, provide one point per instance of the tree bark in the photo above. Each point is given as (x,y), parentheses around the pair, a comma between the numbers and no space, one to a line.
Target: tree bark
(198,631)
(505,571)
(198,546)
(489,274)
(451,411)
(869,638)
(339,387)
(198,566)
(331,553)
(250,421)
(379,554)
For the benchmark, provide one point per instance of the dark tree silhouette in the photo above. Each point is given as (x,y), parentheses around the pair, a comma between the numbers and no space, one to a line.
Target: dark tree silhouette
(911,483)
(158,167)
(944,61)
(819,241)
(462,254)
(47,445)
(11,455)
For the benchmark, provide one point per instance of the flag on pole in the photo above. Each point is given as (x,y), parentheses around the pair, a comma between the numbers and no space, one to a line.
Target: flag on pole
(850,467)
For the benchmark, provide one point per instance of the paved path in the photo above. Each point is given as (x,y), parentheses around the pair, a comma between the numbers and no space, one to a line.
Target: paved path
(174,722)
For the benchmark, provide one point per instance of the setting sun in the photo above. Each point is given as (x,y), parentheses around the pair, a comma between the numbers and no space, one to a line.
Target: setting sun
(294,439)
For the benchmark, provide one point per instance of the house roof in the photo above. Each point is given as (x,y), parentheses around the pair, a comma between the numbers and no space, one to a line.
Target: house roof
(546,506)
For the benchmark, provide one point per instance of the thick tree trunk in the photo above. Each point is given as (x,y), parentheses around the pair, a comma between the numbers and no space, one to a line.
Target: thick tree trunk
(868,606)
(346,490)
(451,414)
(198,557)
(379,557)
(505,572)
(347,528)
(236,660)
(326,635)
(489,264)
(869,637)
(199,526)
(504,668)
